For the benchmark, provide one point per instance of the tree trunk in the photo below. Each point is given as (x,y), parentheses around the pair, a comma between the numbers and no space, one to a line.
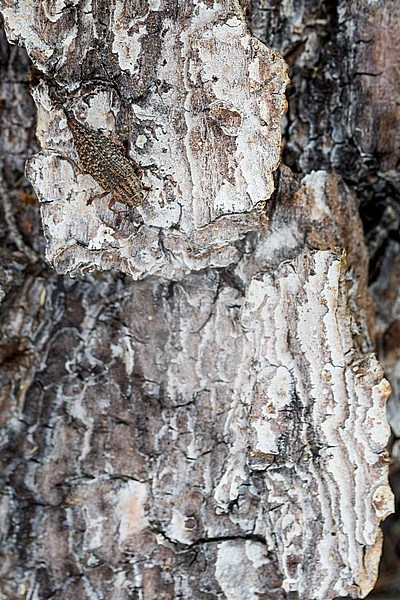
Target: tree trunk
(192,406)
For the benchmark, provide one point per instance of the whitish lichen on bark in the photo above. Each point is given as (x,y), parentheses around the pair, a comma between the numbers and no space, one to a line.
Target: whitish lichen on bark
(316,405)
(207,122)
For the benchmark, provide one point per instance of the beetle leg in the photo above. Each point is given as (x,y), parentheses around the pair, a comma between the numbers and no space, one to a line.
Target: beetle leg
(74,164)
(115,210)
(94,197)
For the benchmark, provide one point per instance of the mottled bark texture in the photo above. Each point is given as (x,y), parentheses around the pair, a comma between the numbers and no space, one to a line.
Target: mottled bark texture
(203,416)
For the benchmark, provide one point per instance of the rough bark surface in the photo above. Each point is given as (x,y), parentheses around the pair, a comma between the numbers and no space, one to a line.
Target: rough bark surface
(216,429)
(199,102)
(343,115)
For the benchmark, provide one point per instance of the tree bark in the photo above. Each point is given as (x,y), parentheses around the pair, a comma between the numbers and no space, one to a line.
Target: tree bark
(200,413)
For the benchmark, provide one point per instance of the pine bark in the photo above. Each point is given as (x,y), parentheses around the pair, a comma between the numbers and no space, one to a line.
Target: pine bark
(192,406)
